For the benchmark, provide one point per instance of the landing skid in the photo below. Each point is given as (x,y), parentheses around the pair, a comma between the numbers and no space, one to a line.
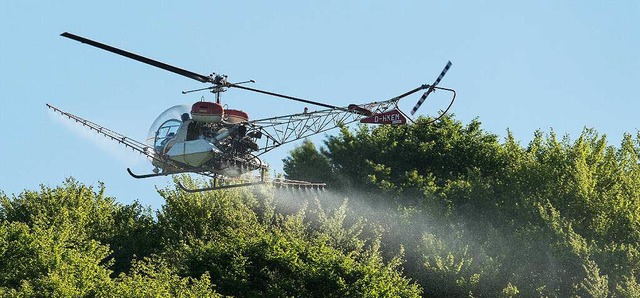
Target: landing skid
(146,175)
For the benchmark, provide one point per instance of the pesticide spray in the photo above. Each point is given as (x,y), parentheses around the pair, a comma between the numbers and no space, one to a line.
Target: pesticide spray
(105,145)
(445,253)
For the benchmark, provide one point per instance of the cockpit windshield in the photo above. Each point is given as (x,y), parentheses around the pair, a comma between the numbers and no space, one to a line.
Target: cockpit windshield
(165,127)
(165,133)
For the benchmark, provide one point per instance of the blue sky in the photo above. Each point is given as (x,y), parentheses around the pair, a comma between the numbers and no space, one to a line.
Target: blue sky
(517,65)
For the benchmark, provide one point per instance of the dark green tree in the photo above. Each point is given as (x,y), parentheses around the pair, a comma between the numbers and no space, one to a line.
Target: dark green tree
(308,164)
(554,218)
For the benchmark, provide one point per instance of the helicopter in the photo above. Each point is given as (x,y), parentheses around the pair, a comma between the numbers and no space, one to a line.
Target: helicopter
(224,144)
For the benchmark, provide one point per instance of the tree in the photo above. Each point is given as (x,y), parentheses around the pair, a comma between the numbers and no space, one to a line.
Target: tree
(556,217)
(46,244)
(221,234)
(307,164)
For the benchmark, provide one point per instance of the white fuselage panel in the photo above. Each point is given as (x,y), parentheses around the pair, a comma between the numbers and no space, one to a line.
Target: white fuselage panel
(193,153)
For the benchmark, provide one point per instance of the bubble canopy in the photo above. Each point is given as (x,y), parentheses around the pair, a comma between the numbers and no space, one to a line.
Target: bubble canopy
(168,122)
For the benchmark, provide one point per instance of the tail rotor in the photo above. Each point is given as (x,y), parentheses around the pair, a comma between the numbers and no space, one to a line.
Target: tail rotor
(431,88)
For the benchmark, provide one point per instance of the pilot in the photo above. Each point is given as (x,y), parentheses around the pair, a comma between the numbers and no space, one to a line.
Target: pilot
(166,140)
(193,127)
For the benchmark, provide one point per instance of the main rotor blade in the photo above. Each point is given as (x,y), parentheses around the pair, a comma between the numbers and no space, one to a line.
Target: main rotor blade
(180,71)
(284,96)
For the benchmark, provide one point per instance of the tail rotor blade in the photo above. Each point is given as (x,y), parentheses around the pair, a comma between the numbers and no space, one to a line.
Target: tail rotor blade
(444,71)
(431,88)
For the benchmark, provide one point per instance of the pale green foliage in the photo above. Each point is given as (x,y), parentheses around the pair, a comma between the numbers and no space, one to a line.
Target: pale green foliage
(46,246)
(153,278)
(510,291)
(246,257)
(628,287)
(594,284)
(334,227)
(56,242)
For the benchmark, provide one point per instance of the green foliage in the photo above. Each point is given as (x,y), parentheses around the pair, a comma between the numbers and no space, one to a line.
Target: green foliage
(73,241)
(46,244)
(226,235)
(629,287)
(443,210)
(153,278)
(306,163)
(553,218)
(410,156)
(133,235)
(594,284)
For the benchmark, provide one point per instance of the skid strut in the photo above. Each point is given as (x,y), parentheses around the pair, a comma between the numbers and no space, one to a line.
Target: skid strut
(146,175)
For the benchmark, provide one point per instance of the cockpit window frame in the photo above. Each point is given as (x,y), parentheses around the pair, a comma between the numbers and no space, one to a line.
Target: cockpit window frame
(161,138)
